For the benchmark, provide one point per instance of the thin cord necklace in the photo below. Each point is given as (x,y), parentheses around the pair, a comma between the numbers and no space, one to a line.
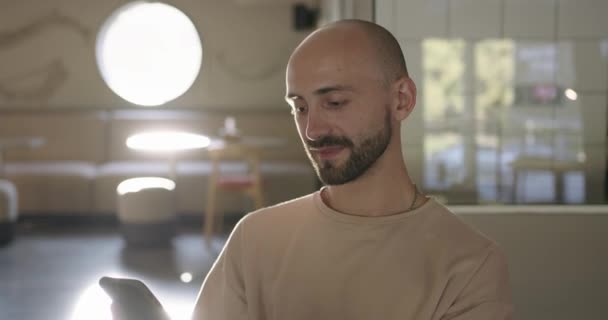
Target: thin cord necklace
(415,198)
(411,207)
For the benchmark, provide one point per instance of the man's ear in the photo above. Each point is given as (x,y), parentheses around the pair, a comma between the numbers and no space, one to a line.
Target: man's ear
(406,97)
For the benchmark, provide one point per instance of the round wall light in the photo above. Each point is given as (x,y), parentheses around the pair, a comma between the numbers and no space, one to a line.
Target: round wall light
(149,53)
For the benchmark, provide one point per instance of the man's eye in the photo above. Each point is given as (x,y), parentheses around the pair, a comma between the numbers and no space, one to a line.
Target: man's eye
(336,103)
(297,109)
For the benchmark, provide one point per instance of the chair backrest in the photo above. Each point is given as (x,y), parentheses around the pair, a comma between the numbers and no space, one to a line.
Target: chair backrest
(235,151)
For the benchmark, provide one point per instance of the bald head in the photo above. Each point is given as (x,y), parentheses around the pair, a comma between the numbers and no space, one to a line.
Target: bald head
(348,90)
(372,42)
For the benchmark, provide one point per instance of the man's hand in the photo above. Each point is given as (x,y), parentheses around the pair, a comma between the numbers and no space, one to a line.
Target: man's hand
(132,300)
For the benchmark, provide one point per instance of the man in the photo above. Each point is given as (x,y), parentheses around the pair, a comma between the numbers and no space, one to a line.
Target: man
(368,245)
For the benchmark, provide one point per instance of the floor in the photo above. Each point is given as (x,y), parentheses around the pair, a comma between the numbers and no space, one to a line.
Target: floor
(52,272)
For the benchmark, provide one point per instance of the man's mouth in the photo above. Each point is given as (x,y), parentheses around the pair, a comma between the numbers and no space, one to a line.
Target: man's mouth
(326,153)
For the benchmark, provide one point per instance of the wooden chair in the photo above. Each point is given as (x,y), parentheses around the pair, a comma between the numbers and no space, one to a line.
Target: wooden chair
(249,183)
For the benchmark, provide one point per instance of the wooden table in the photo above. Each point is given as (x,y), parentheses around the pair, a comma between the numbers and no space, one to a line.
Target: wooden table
(558,168)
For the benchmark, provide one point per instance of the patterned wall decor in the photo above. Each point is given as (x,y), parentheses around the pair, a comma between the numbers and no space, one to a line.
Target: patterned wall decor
(38,82)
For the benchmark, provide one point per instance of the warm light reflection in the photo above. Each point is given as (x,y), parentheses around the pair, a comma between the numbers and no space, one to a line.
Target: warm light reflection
(178,308)
(186,277)
(149,53)
(167,141)
(581,156)
(571,94)
(93,304)
(138,184)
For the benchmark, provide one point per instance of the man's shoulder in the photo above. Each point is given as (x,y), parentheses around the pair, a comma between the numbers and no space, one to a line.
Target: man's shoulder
(475,264)
(288,209)
(456,234)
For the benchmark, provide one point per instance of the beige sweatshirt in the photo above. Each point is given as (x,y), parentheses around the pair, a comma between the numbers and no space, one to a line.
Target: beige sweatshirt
(301,260)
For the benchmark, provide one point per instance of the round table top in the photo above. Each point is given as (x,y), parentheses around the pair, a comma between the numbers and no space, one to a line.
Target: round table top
(167,141)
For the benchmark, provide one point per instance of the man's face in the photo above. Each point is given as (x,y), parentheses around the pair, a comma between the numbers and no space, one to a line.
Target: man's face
(341,109)
(362,153)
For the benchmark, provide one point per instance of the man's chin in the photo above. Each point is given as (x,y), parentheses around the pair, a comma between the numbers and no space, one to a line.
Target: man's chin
(330,171)
(331,175)
(332,179)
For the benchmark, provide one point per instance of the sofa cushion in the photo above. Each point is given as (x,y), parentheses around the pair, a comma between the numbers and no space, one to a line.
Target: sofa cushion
(53,187)
(8,201)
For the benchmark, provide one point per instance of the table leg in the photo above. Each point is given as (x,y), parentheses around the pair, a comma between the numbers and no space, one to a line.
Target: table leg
(559,187)
(515,192)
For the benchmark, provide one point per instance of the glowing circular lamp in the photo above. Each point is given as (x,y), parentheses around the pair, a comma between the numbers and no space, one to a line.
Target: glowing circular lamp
(149,53)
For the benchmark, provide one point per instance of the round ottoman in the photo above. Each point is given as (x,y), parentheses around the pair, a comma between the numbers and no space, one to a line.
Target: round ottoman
(146,211)
(8,211)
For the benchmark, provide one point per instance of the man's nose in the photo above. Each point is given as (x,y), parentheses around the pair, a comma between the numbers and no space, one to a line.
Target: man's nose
(317,125)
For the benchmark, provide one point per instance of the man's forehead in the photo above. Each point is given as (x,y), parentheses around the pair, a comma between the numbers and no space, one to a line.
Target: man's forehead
(319,79)
(333,58)
(316,68)
(340,74)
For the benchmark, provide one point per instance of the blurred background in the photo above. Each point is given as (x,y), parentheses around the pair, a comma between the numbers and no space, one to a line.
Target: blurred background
(134,134)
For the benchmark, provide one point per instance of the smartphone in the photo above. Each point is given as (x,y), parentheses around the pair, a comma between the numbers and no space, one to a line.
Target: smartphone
(134,298)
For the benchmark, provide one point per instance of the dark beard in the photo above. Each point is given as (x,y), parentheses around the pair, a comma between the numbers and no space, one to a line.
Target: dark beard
(361,159)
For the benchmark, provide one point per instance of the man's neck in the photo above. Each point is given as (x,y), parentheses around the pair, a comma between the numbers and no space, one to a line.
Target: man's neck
(376,193)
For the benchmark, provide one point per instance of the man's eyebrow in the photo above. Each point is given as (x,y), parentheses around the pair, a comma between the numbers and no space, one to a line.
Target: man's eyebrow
(320,91)
(328,89)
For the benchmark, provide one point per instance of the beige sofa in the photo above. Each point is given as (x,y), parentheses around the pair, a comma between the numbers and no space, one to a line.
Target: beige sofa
(85,157)
(8,211)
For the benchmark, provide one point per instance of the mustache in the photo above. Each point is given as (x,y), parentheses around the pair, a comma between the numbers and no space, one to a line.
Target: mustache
(330,141)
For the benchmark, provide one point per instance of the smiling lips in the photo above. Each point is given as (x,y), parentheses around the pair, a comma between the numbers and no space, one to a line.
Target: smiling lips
(326,153)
